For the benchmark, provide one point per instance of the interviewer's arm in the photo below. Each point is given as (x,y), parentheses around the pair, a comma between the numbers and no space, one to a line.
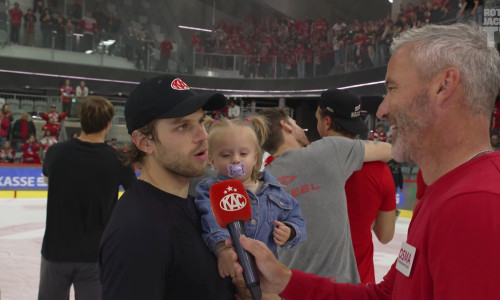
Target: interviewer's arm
(277,278)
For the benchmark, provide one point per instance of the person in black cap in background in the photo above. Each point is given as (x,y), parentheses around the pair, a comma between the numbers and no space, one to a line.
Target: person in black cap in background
(152,247)
(370,191)
(316,175)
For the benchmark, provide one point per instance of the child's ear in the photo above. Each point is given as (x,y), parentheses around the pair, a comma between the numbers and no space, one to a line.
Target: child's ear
(211,161)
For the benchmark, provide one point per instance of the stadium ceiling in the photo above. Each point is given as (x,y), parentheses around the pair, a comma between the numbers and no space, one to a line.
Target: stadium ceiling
(362,9)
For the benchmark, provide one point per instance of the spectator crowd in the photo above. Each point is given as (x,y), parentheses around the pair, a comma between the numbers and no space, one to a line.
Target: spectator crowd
(259,47)
(268,47)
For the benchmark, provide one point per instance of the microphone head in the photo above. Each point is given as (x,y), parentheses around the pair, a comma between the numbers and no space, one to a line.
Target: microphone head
(230,202)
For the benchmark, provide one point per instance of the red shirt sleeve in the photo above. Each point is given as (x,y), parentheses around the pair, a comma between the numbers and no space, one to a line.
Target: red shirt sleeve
(305,286)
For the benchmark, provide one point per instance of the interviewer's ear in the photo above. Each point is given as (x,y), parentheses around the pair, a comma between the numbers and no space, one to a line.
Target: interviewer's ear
(446,84)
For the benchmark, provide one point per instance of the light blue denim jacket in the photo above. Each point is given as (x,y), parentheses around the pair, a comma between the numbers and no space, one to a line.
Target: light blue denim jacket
(270,203)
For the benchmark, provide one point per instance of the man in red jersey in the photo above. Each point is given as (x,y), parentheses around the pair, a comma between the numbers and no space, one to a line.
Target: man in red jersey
(434,87)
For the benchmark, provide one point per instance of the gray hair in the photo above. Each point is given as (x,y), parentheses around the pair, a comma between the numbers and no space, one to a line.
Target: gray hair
(463,46)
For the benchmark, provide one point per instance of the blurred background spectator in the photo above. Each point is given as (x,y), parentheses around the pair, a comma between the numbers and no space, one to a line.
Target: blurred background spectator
(16,17)
(165,51)
(495,141)
(29,28)
(7,113)
(67,94)
(47,141)
(53,114)
(53,127)
(233,111)
(22,130)
(30,149)
(7,153)
(4,129)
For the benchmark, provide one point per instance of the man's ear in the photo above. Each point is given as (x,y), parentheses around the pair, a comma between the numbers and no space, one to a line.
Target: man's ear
(285,126)
(142,142)
(446,84)
(328,121)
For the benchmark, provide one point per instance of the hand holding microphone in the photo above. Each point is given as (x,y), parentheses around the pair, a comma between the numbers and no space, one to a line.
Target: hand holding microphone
(230,205)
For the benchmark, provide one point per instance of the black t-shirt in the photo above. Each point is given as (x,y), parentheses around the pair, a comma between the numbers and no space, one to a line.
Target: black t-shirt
(152,249)
(84,179)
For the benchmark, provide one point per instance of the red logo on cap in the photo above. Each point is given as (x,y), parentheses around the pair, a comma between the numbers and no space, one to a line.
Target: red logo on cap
(179,85)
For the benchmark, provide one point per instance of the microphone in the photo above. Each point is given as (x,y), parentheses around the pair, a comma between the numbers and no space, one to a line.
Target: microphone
(231,208)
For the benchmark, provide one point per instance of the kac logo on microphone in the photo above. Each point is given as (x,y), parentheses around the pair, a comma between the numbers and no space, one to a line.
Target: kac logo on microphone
(233,201)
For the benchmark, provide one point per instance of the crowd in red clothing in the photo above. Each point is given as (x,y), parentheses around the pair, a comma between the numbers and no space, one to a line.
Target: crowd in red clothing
(58,26)
(19,136)
(267,47)
(283,47)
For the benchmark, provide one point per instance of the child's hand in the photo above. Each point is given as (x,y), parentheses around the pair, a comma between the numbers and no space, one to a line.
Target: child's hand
(225,262)
(281,233)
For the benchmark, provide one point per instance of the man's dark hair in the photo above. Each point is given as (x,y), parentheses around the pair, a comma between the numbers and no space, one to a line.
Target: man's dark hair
(95,114)
(134,155)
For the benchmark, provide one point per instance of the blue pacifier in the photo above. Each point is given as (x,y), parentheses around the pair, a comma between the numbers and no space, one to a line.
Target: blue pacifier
(235,170)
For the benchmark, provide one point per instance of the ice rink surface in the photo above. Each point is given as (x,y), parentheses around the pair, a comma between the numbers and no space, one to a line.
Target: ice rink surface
(22,224)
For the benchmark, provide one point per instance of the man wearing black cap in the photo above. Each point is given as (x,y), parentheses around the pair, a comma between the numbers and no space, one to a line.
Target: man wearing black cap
(315,175)
(152,247)
(370,192)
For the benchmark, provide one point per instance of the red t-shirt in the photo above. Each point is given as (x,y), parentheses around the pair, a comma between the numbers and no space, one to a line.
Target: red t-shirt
(16,17)
(4,127)
(455,231)
(368,191)
(24,130)
(166,48)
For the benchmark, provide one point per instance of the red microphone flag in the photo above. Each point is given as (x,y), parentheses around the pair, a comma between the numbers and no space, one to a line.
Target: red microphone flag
(230,202)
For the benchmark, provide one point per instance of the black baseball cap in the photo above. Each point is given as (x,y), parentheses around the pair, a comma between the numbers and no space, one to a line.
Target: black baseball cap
(164,97)
(345,108)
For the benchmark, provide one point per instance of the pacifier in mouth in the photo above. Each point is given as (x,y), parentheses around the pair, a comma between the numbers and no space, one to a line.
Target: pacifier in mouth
(235,170)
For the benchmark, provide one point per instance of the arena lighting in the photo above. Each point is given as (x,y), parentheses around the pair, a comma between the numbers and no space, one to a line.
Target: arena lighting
(390,1)
(107,43)
(194,88)
(194,28)
(69,77)
(289,91)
